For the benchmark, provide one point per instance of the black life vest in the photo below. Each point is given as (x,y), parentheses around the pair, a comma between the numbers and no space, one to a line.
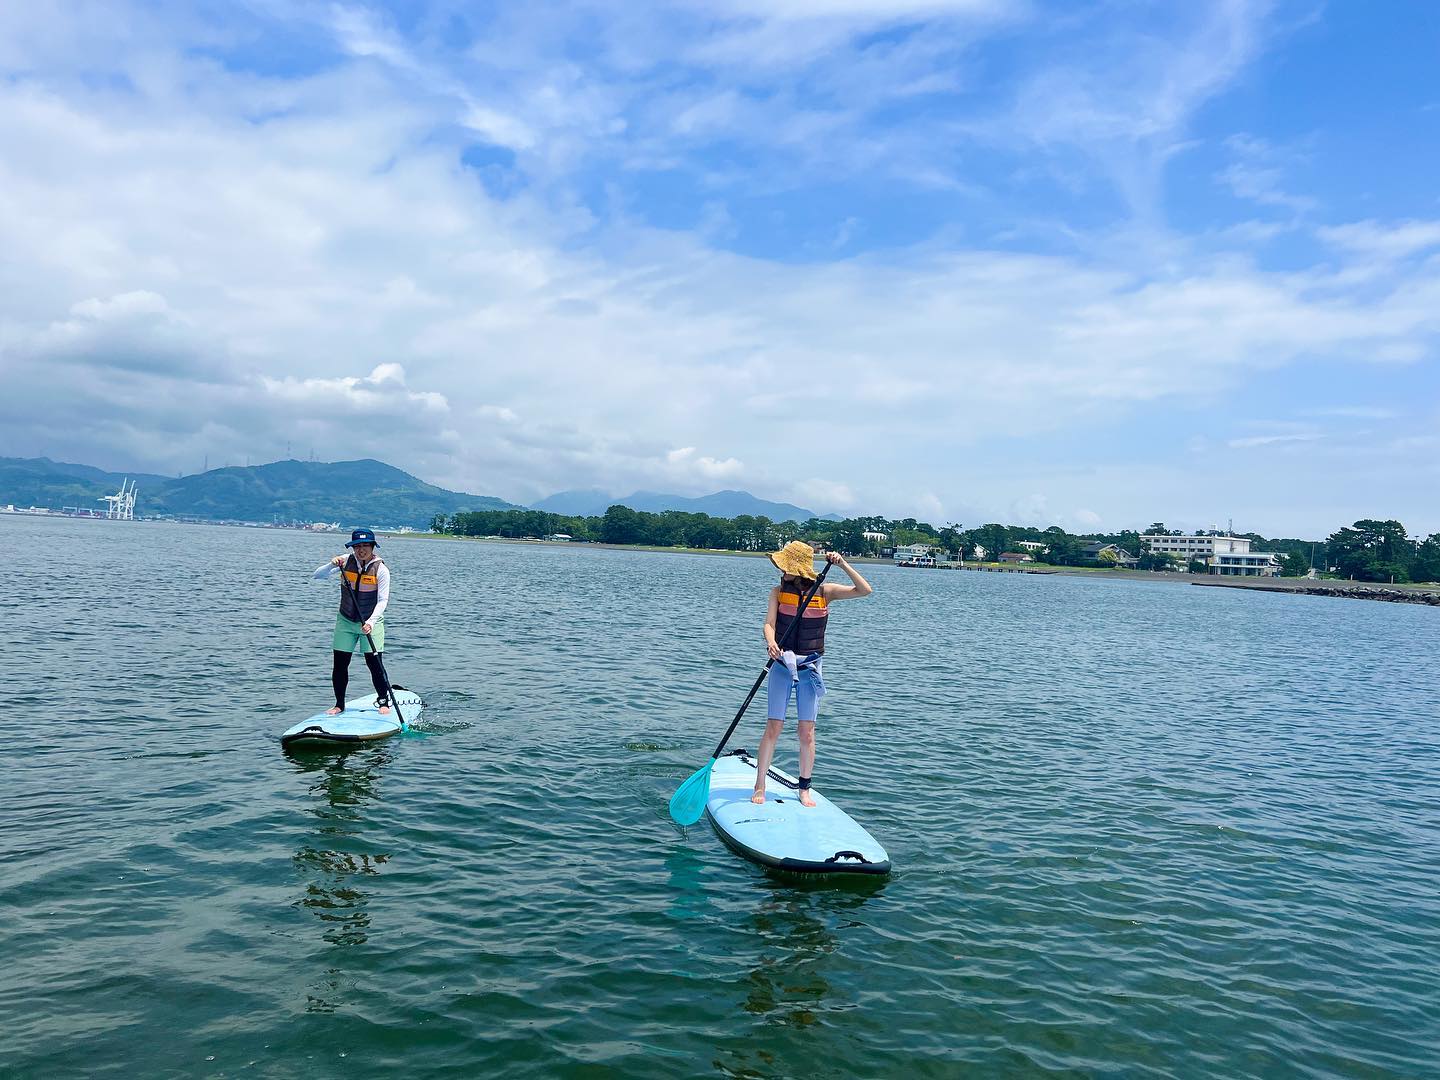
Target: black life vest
(364,581)
(810,637)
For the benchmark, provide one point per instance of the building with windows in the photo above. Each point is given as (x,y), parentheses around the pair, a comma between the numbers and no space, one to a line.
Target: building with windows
(914,555)
(1222,554)
(1196,547)
(1101,552)
(1246,564)
(1034,547)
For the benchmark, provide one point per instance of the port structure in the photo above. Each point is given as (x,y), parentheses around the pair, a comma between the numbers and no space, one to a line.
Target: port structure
(121,505)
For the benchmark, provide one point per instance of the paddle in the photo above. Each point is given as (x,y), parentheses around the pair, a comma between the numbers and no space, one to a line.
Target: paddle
(380,663)
(688,802)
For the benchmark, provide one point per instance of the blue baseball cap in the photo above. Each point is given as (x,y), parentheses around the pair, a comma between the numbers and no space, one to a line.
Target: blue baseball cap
(362,536)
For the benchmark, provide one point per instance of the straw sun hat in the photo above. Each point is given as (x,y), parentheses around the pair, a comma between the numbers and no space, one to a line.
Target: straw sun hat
(796,557)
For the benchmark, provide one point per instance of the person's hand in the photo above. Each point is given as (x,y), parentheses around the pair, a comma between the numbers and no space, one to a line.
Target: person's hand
(337,560)
(365,628)
(773,649)
(833,557)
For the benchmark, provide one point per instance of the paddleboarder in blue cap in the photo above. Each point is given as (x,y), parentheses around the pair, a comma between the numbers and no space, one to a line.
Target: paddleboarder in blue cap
(364,593)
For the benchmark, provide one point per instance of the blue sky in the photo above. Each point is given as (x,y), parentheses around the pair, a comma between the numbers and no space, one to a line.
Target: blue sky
(1091,264)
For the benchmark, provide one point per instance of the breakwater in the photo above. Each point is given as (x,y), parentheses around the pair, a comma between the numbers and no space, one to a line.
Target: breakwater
(1350,590)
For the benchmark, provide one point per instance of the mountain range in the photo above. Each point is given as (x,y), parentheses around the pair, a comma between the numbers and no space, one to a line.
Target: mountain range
(724,504)
(365,492)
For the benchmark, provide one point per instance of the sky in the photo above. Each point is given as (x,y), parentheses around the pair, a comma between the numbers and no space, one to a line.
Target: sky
(1089,264)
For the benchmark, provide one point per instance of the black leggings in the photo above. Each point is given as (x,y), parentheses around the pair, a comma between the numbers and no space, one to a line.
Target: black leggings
(340,675)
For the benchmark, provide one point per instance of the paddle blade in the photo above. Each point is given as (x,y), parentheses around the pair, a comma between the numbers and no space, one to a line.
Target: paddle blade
(687,805)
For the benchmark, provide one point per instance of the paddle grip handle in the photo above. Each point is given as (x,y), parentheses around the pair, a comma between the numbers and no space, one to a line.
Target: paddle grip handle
(794,626)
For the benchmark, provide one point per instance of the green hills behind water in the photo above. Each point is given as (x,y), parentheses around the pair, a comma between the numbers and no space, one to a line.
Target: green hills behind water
(364,492)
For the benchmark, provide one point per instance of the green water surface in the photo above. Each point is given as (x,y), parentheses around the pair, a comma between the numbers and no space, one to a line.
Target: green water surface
(1138,829)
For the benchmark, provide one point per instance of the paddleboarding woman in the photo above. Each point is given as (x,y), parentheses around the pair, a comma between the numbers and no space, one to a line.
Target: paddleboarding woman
(364,593)
(797,668)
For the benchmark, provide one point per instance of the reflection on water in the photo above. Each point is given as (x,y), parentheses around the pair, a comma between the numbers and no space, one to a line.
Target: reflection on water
(795,928)
(787,988)
(336,861)
(689,895)
(1105,860)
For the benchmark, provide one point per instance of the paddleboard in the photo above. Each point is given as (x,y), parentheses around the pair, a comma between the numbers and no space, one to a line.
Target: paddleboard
(782,834)
(360,723)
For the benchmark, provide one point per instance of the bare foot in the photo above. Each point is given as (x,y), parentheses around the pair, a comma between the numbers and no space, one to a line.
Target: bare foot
(384,710)
(758,797)
(806,799)
(334,710)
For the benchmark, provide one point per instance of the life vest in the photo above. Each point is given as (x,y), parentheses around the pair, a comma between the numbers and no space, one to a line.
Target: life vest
(810,637)
(361,580)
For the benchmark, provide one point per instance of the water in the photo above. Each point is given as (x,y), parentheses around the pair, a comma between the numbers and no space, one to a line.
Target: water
(1139,829)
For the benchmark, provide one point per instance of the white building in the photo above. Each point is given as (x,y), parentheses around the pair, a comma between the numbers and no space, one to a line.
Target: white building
(1246,564)
(1197,547)
(1034,547)
(1222,554)
(915,555)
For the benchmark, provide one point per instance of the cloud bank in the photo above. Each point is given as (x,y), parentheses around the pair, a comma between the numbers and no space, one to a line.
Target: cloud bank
(807,249)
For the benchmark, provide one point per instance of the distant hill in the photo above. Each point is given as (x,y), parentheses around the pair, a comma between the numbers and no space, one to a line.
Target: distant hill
(576,503)
(351,492)
(29,482)
(724,504)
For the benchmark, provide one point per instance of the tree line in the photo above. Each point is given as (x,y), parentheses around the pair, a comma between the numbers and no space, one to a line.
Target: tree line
(1367,551)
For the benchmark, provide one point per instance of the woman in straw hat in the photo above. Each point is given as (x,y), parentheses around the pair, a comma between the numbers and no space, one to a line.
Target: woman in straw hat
(797,668)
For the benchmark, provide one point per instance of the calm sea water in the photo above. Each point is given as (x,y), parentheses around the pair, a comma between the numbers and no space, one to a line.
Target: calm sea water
(1138,829)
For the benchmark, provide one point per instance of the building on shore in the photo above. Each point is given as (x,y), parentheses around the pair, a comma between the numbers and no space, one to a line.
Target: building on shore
(1113,554)
(1034,547)
(1229,555)
(1246,564)
(914,555)
(911,552)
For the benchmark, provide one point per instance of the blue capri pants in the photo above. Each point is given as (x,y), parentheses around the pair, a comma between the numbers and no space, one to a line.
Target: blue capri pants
(808,685)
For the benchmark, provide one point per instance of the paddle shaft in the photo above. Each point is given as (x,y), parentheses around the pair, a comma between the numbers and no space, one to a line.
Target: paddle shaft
(355,596)
(794,626)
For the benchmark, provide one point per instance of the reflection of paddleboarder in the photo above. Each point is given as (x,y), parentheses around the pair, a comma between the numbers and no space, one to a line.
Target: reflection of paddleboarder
(798,666)
(364,593)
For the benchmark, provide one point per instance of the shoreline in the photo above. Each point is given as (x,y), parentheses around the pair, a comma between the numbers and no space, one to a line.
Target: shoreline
(1427,593)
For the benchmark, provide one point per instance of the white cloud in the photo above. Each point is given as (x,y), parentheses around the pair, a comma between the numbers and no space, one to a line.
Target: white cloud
(382,391)
(1383,240)
(1356,412)
(1251,441)
(218,253)
(823,496)
(688,465)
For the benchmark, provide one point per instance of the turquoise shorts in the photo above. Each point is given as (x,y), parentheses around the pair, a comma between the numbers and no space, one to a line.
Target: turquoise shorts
(350,638)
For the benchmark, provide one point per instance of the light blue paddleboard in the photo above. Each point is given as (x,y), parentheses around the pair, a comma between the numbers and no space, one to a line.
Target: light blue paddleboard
(361,722)
(782,834)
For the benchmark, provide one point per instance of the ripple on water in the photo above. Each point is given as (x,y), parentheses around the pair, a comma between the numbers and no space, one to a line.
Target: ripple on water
(1114,856)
